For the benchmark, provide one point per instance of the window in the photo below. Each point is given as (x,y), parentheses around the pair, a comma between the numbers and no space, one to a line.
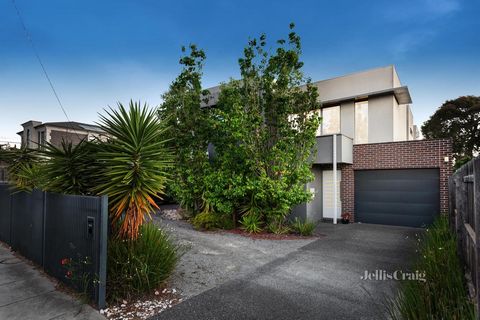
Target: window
(28,138)
(42,139)
(331,120)
(361,122)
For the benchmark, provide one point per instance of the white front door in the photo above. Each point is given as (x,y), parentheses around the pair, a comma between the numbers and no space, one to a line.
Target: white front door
(327,194)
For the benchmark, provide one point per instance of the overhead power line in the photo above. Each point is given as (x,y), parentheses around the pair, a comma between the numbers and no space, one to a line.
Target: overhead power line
(37,55)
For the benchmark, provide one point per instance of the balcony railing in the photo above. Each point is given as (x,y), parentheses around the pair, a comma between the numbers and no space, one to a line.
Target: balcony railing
(324,149)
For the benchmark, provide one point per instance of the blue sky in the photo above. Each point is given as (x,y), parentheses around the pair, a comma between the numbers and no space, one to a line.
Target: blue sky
(100,52)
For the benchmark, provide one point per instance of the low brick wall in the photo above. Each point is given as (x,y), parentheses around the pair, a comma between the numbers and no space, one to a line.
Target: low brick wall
(398,155)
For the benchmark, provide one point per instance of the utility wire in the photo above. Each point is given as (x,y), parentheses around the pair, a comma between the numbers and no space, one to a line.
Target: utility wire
(29,38)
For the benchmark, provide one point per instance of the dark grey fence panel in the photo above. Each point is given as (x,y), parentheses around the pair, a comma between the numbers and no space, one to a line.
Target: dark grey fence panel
(47,228)
(73,230)
(27,224)
(5,214)
(464,198)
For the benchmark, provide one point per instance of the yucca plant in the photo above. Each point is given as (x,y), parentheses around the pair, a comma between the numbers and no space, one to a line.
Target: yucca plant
(278,225)
(24,167)
(135,160)
(69,169)
(304,228)
(251,223)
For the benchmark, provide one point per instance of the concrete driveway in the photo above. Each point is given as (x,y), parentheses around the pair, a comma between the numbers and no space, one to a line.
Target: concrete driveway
(319,280)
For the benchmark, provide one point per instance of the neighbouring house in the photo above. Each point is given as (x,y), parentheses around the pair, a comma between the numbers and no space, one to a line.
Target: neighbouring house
(369,162)
(35,133)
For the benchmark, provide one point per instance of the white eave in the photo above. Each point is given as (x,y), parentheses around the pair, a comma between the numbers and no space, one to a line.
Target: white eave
(401,94)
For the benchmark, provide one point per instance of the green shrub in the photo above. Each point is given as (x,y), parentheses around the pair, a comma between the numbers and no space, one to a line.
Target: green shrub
(208,220)
(205,220)
(138,266)
(303,228)
(443,295)
(251,223)
(277,225)
(226,222)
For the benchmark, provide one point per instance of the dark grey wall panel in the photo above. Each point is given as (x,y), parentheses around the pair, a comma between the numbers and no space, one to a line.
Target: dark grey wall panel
(405,197)
(47,228)
(73,230)
(5,214)
(27,224)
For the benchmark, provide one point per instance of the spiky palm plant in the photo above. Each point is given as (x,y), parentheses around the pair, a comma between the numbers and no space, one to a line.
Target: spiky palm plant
(69,168)
(24,167)
(135,160)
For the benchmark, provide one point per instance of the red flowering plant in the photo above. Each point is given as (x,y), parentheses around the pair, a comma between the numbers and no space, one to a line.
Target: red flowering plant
(76,273)
(67,264)
(346,217)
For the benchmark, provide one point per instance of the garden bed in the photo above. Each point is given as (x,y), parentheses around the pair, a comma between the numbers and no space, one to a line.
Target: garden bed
(269,236)
(172,212)
(443,293)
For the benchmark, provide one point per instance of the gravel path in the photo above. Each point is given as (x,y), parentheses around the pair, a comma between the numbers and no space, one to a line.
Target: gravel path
(212,258)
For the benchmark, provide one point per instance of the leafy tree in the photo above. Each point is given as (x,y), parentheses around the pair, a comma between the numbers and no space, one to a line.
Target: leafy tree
(262,129)
(189,129)
(264,132)
(458,120)
(134,161)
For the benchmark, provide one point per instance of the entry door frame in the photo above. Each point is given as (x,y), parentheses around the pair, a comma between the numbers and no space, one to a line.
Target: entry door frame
(327,194)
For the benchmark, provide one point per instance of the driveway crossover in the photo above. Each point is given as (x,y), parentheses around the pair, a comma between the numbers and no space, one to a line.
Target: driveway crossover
(321,280)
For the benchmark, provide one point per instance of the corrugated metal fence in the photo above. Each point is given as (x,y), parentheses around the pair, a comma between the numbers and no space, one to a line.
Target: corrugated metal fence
(49,228)
(464,214)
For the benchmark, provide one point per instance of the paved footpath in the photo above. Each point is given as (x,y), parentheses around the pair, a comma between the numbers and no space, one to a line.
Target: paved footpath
(26,293)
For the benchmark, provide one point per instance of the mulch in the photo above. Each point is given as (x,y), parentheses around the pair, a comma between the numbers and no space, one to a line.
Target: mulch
(269,236)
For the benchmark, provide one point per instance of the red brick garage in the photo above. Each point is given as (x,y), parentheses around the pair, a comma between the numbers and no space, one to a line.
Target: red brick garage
(398,157)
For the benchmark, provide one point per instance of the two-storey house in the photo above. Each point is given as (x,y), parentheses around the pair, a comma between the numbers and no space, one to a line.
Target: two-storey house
(35,133)
(368,161)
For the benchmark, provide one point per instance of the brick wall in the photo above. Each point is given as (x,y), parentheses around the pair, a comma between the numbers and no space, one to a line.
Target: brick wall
(398,155)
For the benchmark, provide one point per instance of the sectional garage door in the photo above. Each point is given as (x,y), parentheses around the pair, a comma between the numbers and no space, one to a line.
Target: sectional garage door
(406,197)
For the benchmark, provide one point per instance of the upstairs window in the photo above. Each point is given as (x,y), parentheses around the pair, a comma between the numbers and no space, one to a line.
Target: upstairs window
(42,138)
(28,138)
(331,120)
(361,122)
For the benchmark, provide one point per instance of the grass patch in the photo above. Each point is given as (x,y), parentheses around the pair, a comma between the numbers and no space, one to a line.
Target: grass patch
(444,294)
(138,266)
